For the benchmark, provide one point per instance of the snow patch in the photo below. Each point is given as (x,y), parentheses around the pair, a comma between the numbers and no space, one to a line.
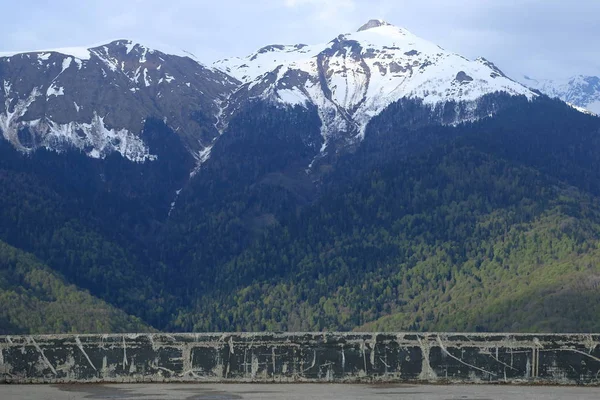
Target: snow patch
(177,192)
(143,56)
(112,64)
(147,81)
(80,53)
(292,96)
(202,157)
(55,91)
(136,75)
(7,88)
(581,109)
(9,120)
(66,64)
(204,154)
(129,46)
(95,138)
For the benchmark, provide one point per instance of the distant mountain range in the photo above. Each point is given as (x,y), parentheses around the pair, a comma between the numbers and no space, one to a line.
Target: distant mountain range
(376,181)
(582,91)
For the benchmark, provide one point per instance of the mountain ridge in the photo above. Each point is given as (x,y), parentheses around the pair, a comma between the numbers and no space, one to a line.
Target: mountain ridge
(350,80)
(356,75)
(84,52)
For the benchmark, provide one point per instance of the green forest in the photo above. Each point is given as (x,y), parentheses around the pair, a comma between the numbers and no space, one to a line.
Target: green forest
(37,300)
(491,225)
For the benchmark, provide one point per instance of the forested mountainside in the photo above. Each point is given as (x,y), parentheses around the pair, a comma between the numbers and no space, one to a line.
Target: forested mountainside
(497,229)
(374,182)
(487,225)
(36,299)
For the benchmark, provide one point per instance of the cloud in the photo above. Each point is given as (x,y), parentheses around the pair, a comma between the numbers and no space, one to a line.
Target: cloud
(324,10)
(543,38)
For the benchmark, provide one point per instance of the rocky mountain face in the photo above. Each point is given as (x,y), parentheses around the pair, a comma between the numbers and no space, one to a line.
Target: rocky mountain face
(581,91)
(97,99)
(356,76)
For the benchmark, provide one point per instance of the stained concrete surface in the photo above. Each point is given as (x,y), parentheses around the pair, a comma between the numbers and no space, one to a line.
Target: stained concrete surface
(302,358)
(292,392)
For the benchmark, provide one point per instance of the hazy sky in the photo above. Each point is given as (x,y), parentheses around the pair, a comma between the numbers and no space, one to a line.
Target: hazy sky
(542,38)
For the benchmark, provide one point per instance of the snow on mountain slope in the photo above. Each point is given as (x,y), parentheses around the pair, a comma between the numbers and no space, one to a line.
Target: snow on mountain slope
(581,91)
(98,99)
(84,53)
(81,53)
(356,76)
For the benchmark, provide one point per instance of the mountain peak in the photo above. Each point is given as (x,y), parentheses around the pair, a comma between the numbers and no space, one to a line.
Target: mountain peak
(374,23)
(357,75)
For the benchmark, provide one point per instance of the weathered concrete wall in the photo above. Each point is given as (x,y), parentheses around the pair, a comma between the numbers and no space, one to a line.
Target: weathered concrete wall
(295,357)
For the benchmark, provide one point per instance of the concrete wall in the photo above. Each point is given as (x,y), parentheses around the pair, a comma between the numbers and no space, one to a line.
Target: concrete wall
(299,357)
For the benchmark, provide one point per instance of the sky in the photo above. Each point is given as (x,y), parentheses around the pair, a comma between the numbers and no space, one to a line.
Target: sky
(539,38)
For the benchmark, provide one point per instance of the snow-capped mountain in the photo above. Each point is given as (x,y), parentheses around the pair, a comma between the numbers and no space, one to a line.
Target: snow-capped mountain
(98,99)
(582,91)
(356,76)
